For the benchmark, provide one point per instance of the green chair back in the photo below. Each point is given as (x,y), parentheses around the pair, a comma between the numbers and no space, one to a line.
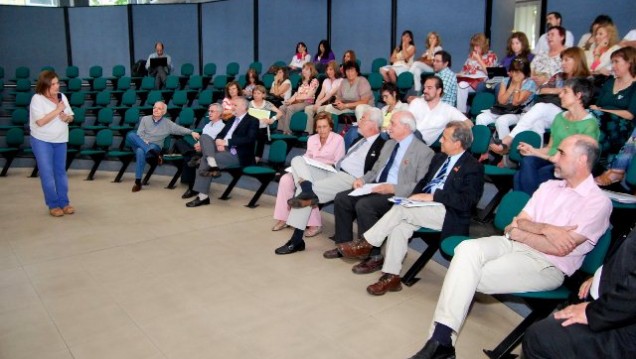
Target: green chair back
(375,80)
(209,69)
(147,84)
(186,117)
(15,137)
(22,72)
(232,69)
(596,256)
(205,98)
(172,83)
(74,85)
(104,139)
(277,152)
(105,116)
(20,117)
(76,138)
(280,63)
(119,71)
(124,83)
(257,66)
(154,96)
(95,72)
(405,81)
(219,83)
(180,98)
(129,98)
(99,84)
(298,122)
(195,82)
(79,116)
(295,80)
(481,139)
(23,85)
(103,98)
(187,69)
(77,99)
(482,101)
(529,137)
(131,116)
(377,63)
(23,99)
(72,72)
(242,80)
(510,206)
(268,79)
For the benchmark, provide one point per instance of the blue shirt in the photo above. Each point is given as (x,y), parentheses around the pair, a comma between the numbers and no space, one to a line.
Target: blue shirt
(392,177)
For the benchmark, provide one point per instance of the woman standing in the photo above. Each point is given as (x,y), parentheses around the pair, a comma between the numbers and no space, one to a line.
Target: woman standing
(401,58)
(325,146)
(50,114)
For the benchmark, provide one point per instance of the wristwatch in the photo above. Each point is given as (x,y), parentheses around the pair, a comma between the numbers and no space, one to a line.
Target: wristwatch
(507,234)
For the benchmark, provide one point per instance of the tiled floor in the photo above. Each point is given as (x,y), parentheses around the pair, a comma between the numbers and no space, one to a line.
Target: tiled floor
(142,276)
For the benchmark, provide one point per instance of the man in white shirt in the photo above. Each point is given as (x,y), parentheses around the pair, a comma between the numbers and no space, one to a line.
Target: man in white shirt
(629,39)
(431,114)
(553,19)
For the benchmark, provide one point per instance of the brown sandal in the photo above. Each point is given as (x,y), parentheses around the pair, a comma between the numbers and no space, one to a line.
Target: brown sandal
(609,177)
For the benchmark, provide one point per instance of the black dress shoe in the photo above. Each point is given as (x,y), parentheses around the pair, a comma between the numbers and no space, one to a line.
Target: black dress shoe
(289,247)
(435,350)
(194,162)
(189,193)
(197,202)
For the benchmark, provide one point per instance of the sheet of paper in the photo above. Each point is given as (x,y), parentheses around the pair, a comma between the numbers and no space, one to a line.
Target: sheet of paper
(402,201)
(620,197)
(320,165)
(364,190)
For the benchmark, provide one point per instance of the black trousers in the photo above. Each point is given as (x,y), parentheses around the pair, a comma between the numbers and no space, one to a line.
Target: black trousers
(548,339)
(367,209)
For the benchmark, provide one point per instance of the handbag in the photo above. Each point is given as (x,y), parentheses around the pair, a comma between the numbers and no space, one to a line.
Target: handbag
(548,98)
(507,109)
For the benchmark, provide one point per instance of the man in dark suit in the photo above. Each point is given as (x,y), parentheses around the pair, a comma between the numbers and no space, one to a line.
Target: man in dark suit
(451,188)
(403,161)
(315,185)
(234,146)
(604,327)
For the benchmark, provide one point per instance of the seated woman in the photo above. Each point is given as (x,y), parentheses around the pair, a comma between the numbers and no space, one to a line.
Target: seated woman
(425,62)
(281,87)
(547,64)
(232,90)
(474,70)
(616,103)
(300,58)
(620,163)
(516,91)
(547,103)
(354,90)
(587,40)
(251,80)
(324,146)
(392,103)
(323,56)
(349,55)
(401,59)
(303,97)
(518,47)
(605,43)
(259,103)
(328,91)
(536,167)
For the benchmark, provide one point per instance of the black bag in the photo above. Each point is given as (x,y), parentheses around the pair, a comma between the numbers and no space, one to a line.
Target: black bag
(507,109)
(139,69)
(548,98)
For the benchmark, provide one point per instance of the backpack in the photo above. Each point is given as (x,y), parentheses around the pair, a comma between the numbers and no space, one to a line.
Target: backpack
(139,69)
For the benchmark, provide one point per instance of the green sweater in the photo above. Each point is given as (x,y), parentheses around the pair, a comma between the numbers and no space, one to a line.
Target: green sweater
(562,128)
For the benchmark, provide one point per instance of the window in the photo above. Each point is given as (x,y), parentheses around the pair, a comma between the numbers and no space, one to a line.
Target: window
(527,19)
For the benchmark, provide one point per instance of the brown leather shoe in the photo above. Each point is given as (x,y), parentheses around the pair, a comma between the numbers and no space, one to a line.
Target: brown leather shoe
(136,187)
(302,202)
(353,249)
(56,212)
(387,283)
(68,209)
(332,254)
(368,265)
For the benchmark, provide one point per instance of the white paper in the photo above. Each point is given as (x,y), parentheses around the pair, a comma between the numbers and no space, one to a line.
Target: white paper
(320,165)
(405,202)
(364,190)
(620,197)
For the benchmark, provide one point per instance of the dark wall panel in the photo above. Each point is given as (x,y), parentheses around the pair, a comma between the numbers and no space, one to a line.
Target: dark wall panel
(454,26)
(283,23)
(228,33)
(99,36)
(174,25)
(578,16)
(363,26)
(33,37)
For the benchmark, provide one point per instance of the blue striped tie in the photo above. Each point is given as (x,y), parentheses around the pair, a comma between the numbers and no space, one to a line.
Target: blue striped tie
(439,178)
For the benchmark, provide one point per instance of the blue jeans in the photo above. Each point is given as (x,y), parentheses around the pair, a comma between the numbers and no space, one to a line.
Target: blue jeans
(51,160)
(532,172)
(141,150)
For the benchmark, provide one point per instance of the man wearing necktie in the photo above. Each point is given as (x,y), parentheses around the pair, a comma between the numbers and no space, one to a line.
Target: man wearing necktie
(234,146)
(315,185)
(403,161)
(455,180)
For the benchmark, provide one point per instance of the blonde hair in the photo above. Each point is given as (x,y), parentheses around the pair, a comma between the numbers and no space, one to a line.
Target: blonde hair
(479,40)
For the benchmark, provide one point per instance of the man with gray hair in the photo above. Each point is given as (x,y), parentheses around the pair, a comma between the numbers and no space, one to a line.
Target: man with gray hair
(233,147)
(403,161)
(315,185)
(453,185)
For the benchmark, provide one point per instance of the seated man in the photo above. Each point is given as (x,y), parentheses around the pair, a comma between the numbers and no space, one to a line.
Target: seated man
(547,241)
(160,73)
(148,140)
(233,147)
(211,130)
(603,327)
(315,185)
(454,179)
(403,161)
(431,113)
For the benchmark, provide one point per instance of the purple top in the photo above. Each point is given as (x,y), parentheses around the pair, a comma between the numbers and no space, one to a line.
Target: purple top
(326,60)
(508,60)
